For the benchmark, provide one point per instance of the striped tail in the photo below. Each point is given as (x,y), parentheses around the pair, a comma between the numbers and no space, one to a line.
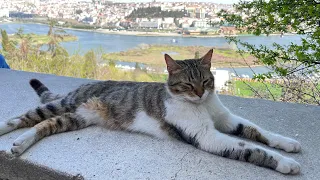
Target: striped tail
(43,92)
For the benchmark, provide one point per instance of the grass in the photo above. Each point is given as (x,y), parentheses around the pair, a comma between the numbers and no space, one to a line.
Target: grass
(42,39)
(153,55)
(243,90)
(81,66)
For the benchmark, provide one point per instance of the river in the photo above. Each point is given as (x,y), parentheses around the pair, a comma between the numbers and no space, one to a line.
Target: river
(115,43)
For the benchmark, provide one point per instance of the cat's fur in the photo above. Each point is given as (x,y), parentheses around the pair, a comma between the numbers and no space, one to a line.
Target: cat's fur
(185,108)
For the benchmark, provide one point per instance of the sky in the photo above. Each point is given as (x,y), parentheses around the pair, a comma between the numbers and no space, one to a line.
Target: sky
(213,1)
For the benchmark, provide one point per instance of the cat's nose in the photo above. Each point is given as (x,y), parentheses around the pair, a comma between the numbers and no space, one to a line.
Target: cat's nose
(199,92)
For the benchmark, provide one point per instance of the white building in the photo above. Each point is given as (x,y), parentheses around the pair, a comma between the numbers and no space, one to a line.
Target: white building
(4,12)
(221,77)
(168,20)
(200,13)
(201,24)
(149,25)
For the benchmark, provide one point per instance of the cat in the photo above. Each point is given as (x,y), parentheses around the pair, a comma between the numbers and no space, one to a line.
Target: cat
(186,108)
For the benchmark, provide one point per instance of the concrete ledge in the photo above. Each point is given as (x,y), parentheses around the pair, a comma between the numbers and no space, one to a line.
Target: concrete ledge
(96,153)
(20,169)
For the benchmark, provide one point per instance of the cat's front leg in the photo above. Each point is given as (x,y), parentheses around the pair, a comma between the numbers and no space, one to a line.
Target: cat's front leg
(229,123)
(241,127)
(229,147)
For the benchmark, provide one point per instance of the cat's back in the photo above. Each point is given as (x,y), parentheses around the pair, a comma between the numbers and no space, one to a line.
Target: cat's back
(145,89)
(107,87)
(124,95)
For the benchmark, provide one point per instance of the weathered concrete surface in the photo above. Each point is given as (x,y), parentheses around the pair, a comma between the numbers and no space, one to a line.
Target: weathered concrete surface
(97,153)
(20,169)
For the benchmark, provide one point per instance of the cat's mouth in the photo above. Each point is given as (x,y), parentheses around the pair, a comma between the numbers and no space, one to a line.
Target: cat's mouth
(197,99)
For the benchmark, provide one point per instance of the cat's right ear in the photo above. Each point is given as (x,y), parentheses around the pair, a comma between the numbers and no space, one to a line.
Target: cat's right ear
(172,66)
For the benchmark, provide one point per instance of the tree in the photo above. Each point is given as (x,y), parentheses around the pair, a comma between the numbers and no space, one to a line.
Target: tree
(20,33)
(79,11)
(55,36)
(290,62)
(7,45)
(52,23)
(89,67)
(24,42)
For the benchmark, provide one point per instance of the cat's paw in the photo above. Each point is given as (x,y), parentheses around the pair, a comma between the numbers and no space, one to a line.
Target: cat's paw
(23,142)
(288,166)
(292,145)
(5,128)
(8,126)
(287,144)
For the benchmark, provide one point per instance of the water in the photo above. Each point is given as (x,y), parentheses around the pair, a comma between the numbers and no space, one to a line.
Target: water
(247,71)
(115,43)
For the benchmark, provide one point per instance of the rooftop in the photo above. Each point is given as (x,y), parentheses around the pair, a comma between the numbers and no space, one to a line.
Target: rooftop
(95,153)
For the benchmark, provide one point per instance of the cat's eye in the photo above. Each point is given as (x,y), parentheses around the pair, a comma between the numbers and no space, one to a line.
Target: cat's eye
(190,86)
(205,82)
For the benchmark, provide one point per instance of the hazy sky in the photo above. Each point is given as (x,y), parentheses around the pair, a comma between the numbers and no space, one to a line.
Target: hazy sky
(214,1)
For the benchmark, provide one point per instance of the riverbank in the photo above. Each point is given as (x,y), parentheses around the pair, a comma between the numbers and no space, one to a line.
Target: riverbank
(165,34)
(143,33)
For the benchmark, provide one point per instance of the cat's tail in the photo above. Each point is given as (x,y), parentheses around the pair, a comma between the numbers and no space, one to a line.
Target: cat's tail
(43,92)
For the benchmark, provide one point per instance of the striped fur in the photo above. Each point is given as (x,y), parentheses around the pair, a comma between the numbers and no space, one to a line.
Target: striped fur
(185,108)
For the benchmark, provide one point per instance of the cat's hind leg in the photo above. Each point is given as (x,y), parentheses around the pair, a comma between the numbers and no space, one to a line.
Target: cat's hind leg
(66,122)
(86,115)
(34,116)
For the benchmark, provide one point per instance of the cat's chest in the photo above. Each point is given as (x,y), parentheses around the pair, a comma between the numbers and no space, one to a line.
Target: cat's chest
(181,113)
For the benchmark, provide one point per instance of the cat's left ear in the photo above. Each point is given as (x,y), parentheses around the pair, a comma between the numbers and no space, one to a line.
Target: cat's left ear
(206,59)
(172,66)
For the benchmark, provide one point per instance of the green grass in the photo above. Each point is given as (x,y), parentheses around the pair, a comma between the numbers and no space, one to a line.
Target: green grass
(243,90)
(42,39)
(153,55)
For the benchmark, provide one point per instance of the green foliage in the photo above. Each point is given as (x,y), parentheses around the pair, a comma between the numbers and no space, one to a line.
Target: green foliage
(281,16)
(154,12)
(90,65)
(296,64)
(6,44)
(137,66)
(244,89)
(28,57)
(51,23)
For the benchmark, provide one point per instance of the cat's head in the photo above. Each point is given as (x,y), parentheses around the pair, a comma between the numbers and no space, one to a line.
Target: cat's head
(190,79)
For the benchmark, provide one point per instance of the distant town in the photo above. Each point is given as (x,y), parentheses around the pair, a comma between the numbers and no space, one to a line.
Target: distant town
(179,17)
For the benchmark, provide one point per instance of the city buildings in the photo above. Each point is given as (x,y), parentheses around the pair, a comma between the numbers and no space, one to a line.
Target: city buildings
(108,14)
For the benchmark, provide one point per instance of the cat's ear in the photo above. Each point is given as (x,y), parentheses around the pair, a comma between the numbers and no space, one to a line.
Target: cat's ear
(172,66)
(206,59)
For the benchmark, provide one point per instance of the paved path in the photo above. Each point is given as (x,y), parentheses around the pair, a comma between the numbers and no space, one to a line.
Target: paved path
(98,154)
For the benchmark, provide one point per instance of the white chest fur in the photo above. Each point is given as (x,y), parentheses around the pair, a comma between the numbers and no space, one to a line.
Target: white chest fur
(193,119)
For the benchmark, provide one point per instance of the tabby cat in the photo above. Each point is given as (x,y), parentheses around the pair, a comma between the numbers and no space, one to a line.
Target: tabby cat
(186,108)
